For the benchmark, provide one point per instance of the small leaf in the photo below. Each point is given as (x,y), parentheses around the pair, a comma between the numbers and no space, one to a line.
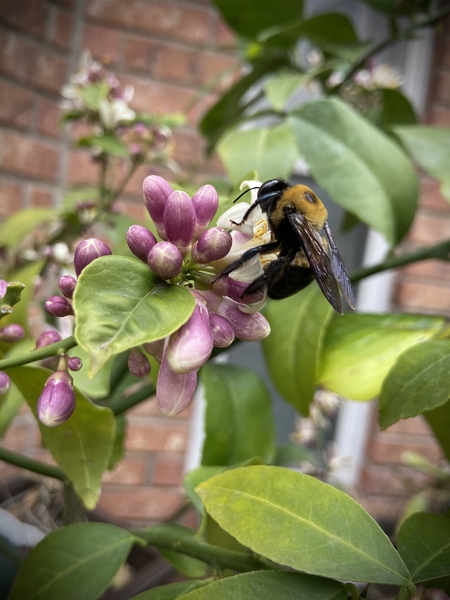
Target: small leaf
(298,325)
(439,421)
(94,93)
(171,591)
(238,419)
(106,142)
(268,150)
(10,404)
(120,304)
(300,522)
(279,88)
(268,585)
(19,225)
(418,382)
(396,109)
(82,445)
(27,276)
(424,544)
(77,561)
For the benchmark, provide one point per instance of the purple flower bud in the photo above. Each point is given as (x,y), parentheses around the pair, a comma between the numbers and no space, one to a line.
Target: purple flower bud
(138,363)
(213,244)
(156,348)
(222,331)
(179,219)
(3,288)
(5,382)
(58,306)
(74,363)
(87,251)
(226,286)
(12,333)
(247,327)
(205,201)
(156,191)
(57,401)
(140,241)
(47,337)
(67,285)
(174,391)
(191,345)
(165,260)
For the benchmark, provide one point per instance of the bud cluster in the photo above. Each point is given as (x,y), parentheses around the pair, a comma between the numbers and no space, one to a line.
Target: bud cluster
(9,334)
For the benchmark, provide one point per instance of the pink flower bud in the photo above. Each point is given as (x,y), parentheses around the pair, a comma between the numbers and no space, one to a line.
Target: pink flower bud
(156,348)
(179,219)
(57,401)
(58,306)
(222,330)
(156,191)
(174,391)
(74,363)
(87,251)
(226,286)
(191,345)
(3,288)
(205,201)
(247,327)
(48,337)
(5,382)
(67,285)
(138,363)
(12,333)
(140,241)
(213,244)
(165,260)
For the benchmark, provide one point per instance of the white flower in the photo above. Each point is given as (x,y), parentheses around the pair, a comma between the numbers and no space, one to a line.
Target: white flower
(113,112)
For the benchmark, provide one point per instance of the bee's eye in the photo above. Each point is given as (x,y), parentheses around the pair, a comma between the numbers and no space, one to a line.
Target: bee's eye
(272,186)
(310,198)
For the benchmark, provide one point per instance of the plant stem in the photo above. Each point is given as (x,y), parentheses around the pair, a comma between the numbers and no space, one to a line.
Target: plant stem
(40,354)
(24,462)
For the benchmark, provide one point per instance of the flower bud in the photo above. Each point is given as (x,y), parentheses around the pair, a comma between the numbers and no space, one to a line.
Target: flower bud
(48,337)
(222,331)
(174,391)
(58,306)
(87,251)
(57,401)
(191,345)
(165,260)
(247,327)
(74,363)
(213,244)
(156,348)
(12,333)
(205,201)
(67,285)
(140,241)
(3,288)
(138,363)
(226,286)
(179,219)
(156,191)
(5,382)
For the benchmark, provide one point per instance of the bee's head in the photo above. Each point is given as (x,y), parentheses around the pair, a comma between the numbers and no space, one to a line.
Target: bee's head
(302,199)
(270,191)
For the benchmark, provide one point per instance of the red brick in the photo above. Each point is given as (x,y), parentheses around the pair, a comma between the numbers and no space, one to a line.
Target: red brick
(48,118)
(189,148)
(156,438)
(62,30)
(25,156)
(103,42)
(213,65)
(168,470)
(423,297)
(438,270)
(141,503)
(26,15)
(388,451)
(443,88)
(41,196)
(224,35)
(11,197)
(398,481)
(413,426)
(131,470)
(429,229)
(439,115)
(82,169)
(172,18)
(430,196)
(16,105)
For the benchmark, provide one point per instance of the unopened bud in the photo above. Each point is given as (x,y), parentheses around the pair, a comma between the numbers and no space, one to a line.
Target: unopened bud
(156,191)
(74,363)
(174,391)
(58,306)
(3,288)
(247,327)
(179,219)
(12,333)
(205,201)
(140,241)
(47,338)
(67,285)
(57,401)
(156,348)
(87,251)
(213,244)
(222,331)
(165,260)
(191,345)
(5,382)
(138,363)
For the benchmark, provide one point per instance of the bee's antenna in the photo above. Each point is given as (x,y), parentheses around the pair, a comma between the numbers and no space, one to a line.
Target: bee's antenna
(244,192)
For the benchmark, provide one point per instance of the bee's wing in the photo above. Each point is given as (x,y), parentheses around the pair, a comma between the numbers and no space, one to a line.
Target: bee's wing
(338,269)
(319,260)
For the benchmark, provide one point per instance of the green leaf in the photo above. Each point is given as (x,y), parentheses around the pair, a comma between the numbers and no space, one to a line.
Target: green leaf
(107,142)
(359,350)
(170,591)
(300,522)
(19,225)
(396,109)
(119,304)
(439,421)
(358,166)
(26,276)
(418,382)
(96,386)
(94,93)
(280,87)
(10,404)
(238,419)
(293,349)
(77,561)
(430,148)
(268,585)
(82,445)
(250,17)
(270,151)
(424,544)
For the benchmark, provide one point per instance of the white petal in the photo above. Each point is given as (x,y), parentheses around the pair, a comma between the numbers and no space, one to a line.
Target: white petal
(249,271)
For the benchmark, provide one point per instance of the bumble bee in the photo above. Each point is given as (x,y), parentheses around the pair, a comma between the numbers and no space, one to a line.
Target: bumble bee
(295,215)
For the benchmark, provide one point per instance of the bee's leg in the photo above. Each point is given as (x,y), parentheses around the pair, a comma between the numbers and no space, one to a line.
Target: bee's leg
(273,273)
(263,249)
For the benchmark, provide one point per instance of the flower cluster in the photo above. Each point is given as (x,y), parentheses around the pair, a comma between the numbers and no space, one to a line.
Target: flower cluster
(9,334)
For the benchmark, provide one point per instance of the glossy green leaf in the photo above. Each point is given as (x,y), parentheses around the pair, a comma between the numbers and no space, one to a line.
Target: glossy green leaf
(424,544)
(418,382)
(238,420)
(293,349)
(196,476)
(300,522)
(171,591)
(269,585)
(359,350)
(270,151)
(108,143)
(82,445)
(20,224)
(77,561)
(280,87)
(94,93)
(119,303)
(10,404)
(396,109)
(430,148)
(363,170)
(439,421)
(96,386)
